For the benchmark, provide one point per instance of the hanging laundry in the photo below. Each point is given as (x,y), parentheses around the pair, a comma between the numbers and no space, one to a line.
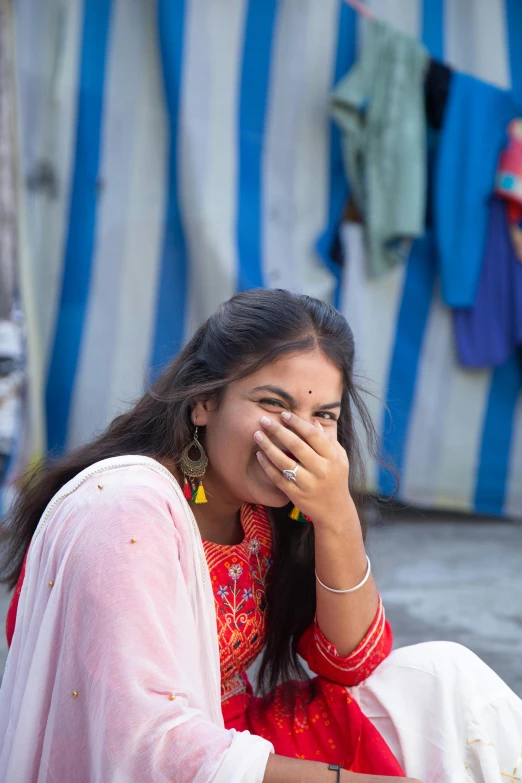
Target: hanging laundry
(471,139)
(488,333)
(379,107)
(509,183)
(436,90)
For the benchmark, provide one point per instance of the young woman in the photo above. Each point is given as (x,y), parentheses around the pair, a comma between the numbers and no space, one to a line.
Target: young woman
(218,520)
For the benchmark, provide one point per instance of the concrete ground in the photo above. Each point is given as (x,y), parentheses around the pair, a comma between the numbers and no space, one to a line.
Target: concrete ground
(459,581)
(454,580)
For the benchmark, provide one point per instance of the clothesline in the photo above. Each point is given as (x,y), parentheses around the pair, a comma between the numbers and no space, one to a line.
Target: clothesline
(359,6)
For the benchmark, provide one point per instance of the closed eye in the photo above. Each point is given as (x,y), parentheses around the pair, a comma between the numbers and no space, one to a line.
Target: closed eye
(277,403)
(325,415)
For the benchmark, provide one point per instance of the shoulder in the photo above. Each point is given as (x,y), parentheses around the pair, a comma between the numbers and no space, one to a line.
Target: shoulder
(123,478)
(113,496)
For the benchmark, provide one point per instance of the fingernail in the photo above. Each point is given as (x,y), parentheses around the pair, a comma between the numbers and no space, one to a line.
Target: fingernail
(259,436)
(260,456)
(286,416)
(265,421)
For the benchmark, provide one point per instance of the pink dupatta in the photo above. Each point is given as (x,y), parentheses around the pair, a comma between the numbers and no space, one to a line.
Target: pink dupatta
(113,672)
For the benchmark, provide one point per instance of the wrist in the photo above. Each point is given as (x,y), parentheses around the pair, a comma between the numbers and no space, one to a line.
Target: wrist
(341,521)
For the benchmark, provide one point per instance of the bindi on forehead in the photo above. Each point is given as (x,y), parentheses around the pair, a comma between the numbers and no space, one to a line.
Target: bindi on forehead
(310,391)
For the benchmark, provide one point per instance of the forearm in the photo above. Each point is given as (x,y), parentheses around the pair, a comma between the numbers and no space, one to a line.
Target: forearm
(280,769)
(340,560)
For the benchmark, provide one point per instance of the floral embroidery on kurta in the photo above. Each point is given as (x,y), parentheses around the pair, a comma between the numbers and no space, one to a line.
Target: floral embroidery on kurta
(239,576)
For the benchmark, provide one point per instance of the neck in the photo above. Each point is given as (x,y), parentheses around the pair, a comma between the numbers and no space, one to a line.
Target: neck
(218,520)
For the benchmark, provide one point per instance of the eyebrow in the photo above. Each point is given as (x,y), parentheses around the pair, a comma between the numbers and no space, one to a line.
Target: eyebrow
(290,400)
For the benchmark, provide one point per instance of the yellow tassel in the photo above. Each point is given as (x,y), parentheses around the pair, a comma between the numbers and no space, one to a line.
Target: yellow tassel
(294,514)
(200,494)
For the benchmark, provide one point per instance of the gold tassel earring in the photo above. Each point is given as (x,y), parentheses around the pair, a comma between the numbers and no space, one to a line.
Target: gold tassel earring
(194,469)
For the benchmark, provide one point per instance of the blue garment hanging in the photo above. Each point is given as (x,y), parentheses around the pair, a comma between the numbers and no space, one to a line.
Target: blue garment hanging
(473,135)
(488,333)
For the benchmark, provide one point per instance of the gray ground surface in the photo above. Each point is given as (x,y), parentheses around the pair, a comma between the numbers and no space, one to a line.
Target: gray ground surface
(458,581)
(455,580)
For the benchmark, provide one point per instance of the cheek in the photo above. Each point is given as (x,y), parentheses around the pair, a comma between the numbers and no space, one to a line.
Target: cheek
(233,440)
(243,434)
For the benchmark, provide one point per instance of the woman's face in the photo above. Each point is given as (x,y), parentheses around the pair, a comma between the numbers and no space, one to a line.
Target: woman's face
(304,384)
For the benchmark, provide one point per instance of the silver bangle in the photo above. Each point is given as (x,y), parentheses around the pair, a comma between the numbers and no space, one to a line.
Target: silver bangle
(352,589)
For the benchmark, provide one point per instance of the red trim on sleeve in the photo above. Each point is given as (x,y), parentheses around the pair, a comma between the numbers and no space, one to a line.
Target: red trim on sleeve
(323,658)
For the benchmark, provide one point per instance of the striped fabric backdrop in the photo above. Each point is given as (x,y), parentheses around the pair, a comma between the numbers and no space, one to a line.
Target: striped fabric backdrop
(176,152)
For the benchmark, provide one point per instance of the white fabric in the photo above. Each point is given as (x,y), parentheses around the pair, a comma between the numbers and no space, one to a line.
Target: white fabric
(447,717)
(125,625)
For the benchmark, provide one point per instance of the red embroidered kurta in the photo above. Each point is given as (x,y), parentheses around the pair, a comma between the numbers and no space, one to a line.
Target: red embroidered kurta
(332,727)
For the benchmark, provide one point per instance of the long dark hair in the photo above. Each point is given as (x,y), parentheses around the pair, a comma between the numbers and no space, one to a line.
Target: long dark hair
(249,331)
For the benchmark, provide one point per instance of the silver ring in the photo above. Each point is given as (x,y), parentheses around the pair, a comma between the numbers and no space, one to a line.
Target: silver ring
(290,474)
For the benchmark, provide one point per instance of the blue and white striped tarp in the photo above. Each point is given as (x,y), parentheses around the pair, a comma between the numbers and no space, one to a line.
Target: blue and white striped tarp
(174,152)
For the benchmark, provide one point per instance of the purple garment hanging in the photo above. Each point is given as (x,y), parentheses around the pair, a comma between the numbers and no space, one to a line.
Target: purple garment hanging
(488,333)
